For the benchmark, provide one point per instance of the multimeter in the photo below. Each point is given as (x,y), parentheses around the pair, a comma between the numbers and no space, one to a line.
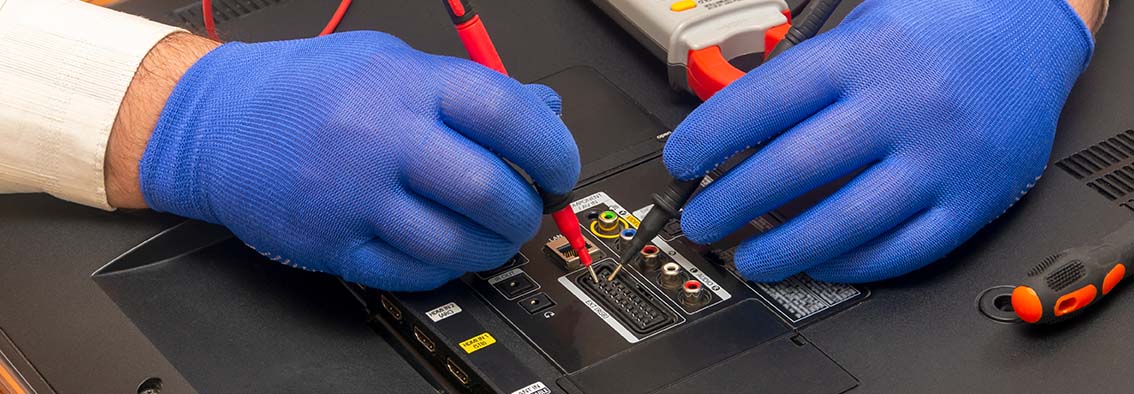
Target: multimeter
(696,38)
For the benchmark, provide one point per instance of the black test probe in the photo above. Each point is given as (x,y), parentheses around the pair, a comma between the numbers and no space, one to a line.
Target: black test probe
(668,203)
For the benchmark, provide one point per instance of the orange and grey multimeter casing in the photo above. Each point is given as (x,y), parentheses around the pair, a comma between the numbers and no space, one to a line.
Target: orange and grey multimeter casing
(696,38)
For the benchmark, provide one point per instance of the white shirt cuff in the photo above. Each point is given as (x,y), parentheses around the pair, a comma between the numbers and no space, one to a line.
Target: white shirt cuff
(64,68)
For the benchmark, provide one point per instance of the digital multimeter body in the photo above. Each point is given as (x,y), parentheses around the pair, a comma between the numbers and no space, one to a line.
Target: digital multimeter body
(696,38)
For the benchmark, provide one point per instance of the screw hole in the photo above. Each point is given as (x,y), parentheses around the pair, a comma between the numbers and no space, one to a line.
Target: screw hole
(150,386)
(1003,303)
(996,304)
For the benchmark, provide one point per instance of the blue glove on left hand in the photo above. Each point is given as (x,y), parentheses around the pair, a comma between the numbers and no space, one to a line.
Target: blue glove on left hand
(356,155)
(950,105)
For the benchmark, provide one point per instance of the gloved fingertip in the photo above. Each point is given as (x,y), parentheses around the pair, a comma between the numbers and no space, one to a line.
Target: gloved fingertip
(763,262)
(697,225)
(756,274)
(423,283)
(548,96)
(823,274)
(424,280)
(678,159)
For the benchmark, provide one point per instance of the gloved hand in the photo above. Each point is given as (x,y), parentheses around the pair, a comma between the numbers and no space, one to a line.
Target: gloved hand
(356,155)
(950,106)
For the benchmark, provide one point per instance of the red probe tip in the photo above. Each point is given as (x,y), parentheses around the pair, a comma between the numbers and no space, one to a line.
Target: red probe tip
(568,225)
(584,255)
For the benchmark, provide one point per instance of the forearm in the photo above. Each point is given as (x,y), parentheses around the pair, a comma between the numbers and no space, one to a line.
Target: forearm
(143,103)
(65,67)
(1092,11)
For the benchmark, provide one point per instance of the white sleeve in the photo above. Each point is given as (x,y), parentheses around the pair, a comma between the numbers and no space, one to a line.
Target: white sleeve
(64,68)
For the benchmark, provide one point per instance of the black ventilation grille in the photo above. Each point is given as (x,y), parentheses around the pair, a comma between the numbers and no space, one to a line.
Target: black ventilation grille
(223,11)
(1066,275)
(1106,167)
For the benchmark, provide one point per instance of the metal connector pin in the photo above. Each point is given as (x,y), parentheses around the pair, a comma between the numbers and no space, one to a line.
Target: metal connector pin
(615,273)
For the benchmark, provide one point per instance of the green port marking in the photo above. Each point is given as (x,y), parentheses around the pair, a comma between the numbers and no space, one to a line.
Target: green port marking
(608,215)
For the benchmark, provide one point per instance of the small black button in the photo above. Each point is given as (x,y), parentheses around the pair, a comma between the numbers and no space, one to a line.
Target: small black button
(515,286)
(537,303)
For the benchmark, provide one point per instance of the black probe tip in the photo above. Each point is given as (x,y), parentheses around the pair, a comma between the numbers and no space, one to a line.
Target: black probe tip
(667,205)
(649,228)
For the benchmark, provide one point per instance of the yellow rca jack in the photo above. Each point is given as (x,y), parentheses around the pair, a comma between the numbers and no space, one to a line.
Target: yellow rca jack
(608,225)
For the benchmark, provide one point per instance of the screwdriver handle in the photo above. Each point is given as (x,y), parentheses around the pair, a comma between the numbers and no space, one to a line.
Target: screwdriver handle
(1065,283)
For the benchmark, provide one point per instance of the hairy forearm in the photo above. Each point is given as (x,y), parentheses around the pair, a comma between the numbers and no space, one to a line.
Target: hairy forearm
(1092,11)
(144,100)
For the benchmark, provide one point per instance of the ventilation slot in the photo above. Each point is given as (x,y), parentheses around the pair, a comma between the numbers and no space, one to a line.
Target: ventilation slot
(1066,275)
(223,11)
(1107,168)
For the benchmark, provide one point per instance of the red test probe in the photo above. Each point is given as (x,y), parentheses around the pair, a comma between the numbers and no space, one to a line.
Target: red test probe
(479,46)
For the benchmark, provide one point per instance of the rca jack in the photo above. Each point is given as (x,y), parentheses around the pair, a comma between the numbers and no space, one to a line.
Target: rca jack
(693,294)
(608,225)
(649,260)
(625,238)
(671,276)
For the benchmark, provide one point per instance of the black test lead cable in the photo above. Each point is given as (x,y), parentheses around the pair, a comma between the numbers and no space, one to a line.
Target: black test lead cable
(668,203)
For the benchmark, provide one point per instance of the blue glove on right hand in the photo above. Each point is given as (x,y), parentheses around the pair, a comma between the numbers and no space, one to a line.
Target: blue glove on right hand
(949,105)
(356,155)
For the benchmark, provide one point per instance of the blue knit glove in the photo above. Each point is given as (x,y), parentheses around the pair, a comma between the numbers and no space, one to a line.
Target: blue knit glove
(356,155)
(950,106)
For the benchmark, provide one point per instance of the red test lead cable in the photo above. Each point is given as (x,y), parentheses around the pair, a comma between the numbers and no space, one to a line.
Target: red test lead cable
(479,46)
(211,25)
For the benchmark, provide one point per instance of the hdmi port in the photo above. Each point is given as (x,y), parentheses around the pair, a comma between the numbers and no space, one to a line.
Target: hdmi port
(424,340)
(456,371)
(390,308)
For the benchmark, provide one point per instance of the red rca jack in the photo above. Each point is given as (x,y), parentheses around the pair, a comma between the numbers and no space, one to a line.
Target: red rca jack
(649,258)
(693,293)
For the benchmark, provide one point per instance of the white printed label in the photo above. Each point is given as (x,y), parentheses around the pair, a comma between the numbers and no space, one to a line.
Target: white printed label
(505,275)
(443,311)
(642,212)
(534,388)
(590,201)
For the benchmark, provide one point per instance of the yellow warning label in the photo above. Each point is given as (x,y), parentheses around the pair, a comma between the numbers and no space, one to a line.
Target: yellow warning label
(632,220)
(478,342)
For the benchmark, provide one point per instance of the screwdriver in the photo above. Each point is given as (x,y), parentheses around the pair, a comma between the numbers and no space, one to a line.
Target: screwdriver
(1065,283)
(667,204)
(479,45)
